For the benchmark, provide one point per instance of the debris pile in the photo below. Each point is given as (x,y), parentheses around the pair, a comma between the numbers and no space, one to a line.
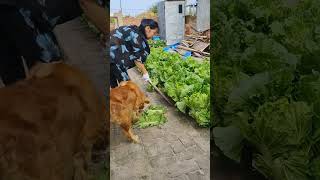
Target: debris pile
(197,44)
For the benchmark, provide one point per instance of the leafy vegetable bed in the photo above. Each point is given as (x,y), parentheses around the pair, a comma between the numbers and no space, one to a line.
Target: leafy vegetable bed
(267,84)
(186,81)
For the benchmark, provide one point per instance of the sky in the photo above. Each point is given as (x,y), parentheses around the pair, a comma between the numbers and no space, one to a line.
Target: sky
(132,7)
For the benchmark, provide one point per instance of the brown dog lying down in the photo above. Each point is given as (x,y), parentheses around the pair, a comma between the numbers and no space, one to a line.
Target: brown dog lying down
(126,103)
(48,124)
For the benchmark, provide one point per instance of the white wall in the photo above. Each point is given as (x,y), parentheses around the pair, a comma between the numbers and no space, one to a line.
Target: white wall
(175,22)
(203,15)
(171,22)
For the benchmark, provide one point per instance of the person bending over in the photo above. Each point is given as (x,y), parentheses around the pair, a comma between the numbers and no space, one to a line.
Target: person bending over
(129,48)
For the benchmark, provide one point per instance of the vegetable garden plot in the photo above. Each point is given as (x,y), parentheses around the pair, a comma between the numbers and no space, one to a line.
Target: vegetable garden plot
(186,81)
(267,84)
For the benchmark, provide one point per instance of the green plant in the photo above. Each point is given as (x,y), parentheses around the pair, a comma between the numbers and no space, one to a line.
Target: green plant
(157,43)
(186,81)
(154,9)
(113,20)
(267,84)
(153,116)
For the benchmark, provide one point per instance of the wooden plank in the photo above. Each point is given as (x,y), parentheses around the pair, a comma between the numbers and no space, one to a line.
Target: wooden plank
(181,51)
(200,46)
(196,36)
(161,93)
(193,50)
(194,29)
(190,43)
(185,43)
(197,54)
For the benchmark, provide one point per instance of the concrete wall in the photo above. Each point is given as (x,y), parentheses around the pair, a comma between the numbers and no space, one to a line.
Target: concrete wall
(171,22)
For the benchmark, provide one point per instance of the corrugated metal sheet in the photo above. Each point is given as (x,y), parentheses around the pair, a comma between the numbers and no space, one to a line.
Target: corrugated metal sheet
(203,15)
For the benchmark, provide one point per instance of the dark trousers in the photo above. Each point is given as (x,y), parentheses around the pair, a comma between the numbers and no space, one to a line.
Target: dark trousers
(118,73)
(11,66)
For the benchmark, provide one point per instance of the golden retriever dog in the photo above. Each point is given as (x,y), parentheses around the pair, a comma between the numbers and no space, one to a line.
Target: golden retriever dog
(49,123)
(126,103)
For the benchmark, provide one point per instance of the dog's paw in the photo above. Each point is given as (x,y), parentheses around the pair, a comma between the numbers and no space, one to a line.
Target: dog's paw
(136,139)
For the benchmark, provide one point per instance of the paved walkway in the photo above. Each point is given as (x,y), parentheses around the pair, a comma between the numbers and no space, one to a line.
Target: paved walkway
(82,49)
(178,150)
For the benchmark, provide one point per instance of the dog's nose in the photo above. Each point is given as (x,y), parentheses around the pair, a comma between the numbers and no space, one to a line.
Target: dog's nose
(147,100)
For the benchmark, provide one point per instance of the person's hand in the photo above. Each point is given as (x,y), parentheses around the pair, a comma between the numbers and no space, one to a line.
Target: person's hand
(146,77)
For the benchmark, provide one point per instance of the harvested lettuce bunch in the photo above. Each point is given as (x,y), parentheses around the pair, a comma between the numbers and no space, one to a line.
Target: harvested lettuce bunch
(153,116)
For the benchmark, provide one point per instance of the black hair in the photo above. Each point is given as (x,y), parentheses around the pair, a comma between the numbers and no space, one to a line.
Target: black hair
(148,22)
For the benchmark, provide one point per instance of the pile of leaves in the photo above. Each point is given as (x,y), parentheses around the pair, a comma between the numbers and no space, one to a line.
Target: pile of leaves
(186,81)
(153,116)
(267,84)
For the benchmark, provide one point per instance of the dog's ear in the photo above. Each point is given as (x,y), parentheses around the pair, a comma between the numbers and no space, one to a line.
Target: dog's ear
(41,70)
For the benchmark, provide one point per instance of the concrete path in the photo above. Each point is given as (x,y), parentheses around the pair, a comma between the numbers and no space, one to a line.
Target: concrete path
(178,150)
(82,49)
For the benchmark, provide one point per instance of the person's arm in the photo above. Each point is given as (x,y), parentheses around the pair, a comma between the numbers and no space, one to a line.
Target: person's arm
(144,71)
(140,53)
(96,14)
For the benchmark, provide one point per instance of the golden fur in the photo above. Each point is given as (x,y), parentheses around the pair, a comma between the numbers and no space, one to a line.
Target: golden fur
(126,103)
(48,124)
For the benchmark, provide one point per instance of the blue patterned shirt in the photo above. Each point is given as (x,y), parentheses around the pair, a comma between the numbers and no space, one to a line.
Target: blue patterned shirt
(128,44)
